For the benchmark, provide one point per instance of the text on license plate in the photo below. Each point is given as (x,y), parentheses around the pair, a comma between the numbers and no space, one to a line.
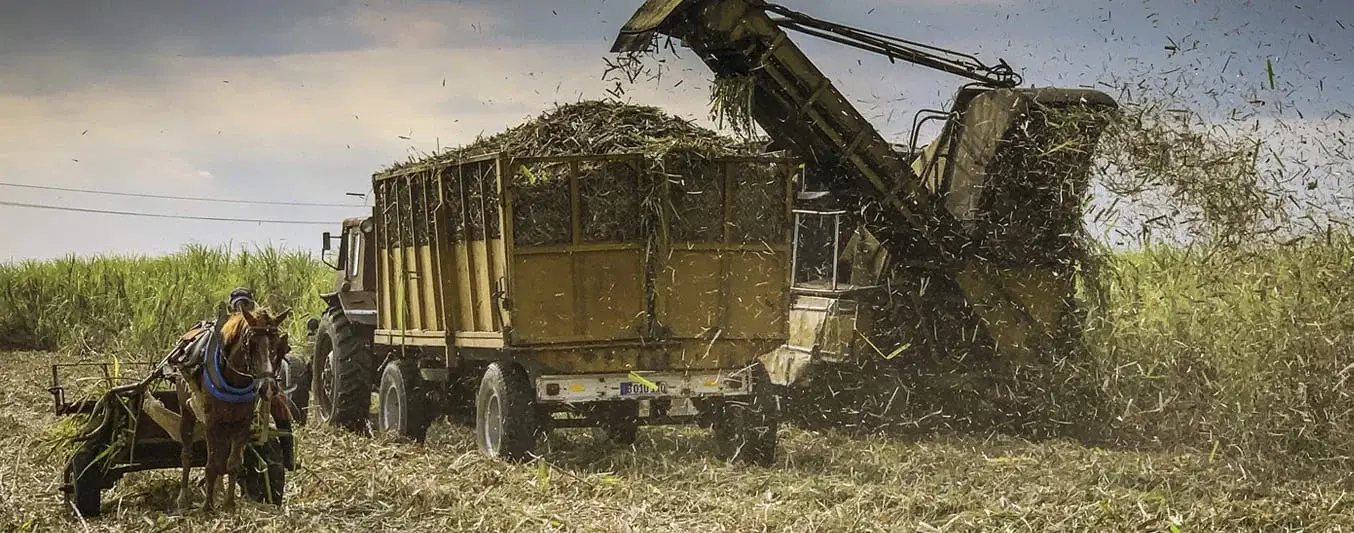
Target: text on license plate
(630,388)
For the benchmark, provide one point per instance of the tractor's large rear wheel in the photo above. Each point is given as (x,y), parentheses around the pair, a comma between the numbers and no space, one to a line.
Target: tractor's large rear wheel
(343,371)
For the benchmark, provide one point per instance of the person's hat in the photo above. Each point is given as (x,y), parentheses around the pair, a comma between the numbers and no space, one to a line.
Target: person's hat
(239,295)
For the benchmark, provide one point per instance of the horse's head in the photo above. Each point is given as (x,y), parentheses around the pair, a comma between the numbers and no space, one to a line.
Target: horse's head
(256,344)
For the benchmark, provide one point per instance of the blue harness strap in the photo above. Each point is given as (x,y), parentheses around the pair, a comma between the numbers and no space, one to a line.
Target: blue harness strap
(216,383)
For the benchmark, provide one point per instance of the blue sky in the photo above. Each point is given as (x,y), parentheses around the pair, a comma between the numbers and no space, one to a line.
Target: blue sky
(303,100)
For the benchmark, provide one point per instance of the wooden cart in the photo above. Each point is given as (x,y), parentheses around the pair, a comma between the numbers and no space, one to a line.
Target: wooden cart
(133,426)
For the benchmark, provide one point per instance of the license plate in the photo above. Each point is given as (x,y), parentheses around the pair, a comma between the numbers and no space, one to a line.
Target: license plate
(630,388)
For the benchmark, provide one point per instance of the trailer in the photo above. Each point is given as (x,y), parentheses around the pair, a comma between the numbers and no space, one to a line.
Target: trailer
(588,290)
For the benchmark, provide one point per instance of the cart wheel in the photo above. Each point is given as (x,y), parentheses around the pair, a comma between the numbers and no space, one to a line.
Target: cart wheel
(619,422)
(264,478)
(745,427)
(296,384)
(85,480)
(404,401)
(505,413)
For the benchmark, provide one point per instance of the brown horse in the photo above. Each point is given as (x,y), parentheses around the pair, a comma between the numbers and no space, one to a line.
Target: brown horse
(223,392)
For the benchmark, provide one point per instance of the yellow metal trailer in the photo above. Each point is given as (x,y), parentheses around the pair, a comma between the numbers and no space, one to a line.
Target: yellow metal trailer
(581,290)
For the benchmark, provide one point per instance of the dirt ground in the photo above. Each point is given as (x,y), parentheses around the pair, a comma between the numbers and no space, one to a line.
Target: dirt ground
(671,481)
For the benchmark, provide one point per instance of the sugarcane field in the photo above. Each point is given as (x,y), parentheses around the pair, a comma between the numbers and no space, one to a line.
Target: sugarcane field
(677,265)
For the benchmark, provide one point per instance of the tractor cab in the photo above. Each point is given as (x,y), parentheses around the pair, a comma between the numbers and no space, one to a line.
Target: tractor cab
(355,265)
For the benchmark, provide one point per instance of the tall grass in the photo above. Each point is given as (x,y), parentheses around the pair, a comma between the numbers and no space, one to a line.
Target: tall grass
(140,305)
(1243,352)
(1247,350)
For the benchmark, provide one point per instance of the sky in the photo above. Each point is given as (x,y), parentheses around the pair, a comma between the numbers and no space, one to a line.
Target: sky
(301,101)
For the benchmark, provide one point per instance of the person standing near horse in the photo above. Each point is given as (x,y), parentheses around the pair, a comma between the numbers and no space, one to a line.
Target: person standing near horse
(241,299)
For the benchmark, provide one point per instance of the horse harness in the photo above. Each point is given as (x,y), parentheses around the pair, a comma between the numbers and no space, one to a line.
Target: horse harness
(202,350)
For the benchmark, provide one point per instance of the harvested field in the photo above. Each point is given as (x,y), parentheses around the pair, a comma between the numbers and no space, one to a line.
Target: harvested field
(1213,398)
(669,481)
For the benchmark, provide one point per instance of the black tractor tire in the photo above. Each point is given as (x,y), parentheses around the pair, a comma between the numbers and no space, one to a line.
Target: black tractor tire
(745,427)
(405,405)
(506,424)
(86,482)
(296,384)
(264,478)
(343,371)
(618,422)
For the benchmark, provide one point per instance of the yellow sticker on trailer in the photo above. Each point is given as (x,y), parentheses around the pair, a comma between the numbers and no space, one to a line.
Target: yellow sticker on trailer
(640,380)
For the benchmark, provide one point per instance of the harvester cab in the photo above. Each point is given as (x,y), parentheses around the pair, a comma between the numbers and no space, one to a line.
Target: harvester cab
(974,232)
(836,272)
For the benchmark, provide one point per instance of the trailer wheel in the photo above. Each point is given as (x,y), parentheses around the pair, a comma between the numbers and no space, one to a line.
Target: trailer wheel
(618,422)
(745,426)
(343,371)
(296,385)
(85,482)
(505,413)
(264,477)
(404,401)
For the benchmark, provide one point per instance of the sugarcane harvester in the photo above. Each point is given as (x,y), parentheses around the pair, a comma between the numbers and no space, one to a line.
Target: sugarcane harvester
(967,246)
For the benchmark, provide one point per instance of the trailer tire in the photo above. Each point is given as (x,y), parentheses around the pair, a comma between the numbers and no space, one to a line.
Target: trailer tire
(264,478)
(343,372)
(618,422)
(404,401)
(297,382)
(505,413)
(745,427)
(85,479)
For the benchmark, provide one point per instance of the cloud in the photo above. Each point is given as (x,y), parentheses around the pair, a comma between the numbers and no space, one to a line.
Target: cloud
(305,126)
(304,100)
(422,25)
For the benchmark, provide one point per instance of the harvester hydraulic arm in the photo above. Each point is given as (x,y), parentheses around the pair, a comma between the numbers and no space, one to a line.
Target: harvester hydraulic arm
(960,64)
(797,105)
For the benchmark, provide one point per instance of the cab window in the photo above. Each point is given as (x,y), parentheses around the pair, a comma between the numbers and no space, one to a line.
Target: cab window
(354,254)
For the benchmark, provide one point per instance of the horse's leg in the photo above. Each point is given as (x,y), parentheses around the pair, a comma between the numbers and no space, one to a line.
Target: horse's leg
(218,448)
(238,441)
(187,424)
